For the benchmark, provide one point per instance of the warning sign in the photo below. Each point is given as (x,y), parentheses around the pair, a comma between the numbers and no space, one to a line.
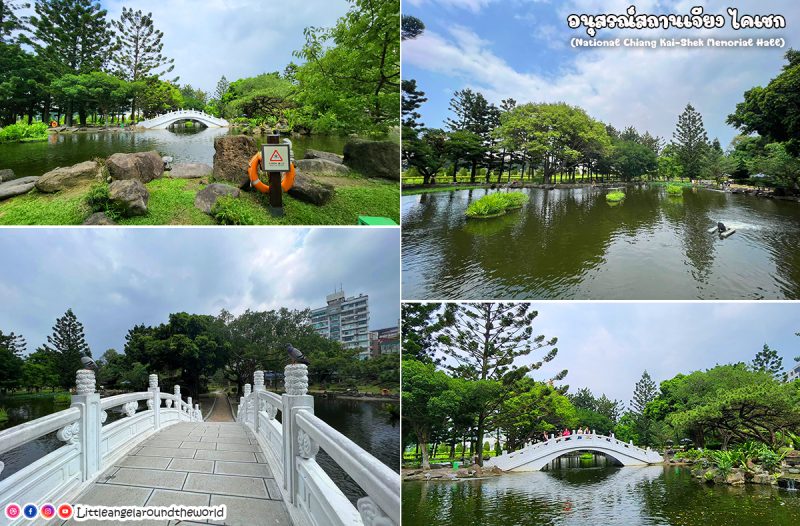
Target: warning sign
(275,157)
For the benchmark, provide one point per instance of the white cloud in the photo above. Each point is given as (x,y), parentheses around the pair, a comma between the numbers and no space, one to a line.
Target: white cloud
(235,38)
(471,5)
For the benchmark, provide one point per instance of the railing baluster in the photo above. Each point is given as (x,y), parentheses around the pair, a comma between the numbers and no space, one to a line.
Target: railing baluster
(89,423)
(295,399)
(156,392)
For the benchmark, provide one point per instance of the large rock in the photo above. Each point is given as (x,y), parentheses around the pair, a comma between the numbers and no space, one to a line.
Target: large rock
(317,154)
(321,166)
(69,177)
(130,196)
(190,170)
(307,189)
(16,187)
(232,154)
(99,219)
(207,197)
(373,158)
(6,174)
(141,166)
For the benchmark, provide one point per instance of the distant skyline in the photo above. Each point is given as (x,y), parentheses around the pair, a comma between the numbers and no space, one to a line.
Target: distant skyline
(607,346)
(114,279)
(234,38)
(521,49)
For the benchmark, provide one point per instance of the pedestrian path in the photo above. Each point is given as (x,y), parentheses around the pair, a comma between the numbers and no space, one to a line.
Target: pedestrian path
(194,464)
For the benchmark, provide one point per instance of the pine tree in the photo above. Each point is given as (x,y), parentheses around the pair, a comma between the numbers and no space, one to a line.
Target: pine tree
(11,348)
(644,392)
(412,99)
(222,88)
(691,142)
(9,21)
(485,339)
(69,36)
(768,361)
(411,27)
(474,114)
(67,345)
(137,49)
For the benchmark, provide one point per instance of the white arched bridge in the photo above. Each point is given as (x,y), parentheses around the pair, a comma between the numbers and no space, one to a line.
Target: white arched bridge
(539,455)
(162,122)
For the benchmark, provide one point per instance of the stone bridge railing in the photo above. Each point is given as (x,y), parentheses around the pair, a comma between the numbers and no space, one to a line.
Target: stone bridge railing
(291,445)
(90,445)
(166,119)
(536,456)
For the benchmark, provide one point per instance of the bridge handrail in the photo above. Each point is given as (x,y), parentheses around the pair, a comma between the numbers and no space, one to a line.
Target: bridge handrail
(18,435)
(118,400)
(372,475)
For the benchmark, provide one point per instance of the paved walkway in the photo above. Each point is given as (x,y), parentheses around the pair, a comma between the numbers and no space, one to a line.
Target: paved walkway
(193,464)
(221,412)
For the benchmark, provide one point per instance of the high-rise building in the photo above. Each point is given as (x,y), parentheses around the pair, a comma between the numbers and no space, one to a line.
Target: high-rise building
(384,341)
(794,373)
(345,320)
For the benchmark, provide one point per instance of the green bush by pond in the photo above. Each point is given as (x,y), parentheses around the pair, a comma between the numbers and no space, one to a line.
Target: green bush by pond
(675,190)
(24,132)
(496,204)
(615,197)
(3,414)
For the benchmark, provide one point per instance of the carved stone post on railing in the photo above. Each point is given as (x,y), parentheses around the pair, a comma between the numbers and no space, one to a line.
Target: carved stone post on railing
(177,394)
(198,415)
(88,426)
(258,386)
(244,403)
(295,399)
(155,403)
(189,408)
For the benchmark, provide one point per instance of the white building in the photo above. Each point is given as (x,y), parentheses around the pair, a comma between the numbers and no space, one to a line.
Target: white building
(794,373)
(345,320)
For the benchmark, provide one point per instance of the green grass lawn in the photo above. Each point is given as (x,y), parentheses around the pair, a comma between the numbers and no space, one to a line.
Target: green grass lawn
(172,203)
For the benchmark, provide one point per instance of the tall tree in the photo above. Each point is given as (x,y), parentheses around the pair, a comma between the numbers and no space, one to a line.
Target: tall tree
(9,21)
(475,115)
(222,88)
(774,111)
(691,142)
(768,361)
(485,340)
(412,27)
(412,99)
(644,392)
(137,50)
(11,348)
(70,36)
(420,322)
(67,345)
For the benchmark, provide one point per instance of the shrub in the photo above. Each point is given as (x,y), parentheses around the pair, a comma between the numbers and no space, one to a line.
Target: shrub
(674,189)
(97,200)
(515,199)
(488,205)
(615,197)
(3,414)
(230,211)
(23,132)
(62,398)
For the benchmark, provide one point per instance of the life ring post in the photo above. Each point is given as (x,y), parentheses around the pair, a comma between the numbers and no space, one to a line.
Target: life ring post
(275,191)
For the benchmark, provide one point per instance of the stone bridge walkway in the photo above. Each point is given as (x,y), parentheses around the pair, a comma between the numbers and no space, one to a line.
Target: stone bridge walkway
(193,464)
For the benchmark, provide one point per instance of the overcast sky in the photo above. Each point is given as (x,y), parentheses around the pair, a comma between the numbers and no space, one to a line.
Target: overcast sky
(521,49)
(116,278)
(607,346)
(235,38)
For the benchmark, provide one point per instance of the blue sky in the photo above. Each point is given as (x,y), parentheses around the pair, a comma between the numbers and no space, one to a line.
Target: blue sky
(235,38)
(607,346)
(116,278)
(520,49)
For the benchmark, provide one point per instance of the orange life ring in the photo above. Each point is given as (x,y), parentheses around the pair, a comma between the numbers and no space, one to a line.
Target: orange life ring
(287,181)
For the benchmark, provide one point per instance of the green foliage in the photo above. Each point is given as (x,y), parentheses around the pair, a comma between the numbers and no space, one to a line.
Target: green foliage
(615,196)
(675,190)
(11,348)
(264,98)
(230,211)
(496,204)
(3,414)
(690,143)
(24,132)
(632,160)
(62,398)
(350,81)
(769,361)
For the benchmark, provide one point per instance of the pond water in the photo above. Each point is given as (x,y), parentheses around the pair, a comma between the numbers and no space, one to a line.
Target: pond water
(571,244)
(607,496)
(364,422)
(183,144)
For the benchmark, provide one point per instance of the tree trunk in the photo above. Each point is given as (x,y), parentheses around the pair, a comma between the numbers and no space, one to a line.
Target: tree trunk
(479,437)
(455,172)
(474,172)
